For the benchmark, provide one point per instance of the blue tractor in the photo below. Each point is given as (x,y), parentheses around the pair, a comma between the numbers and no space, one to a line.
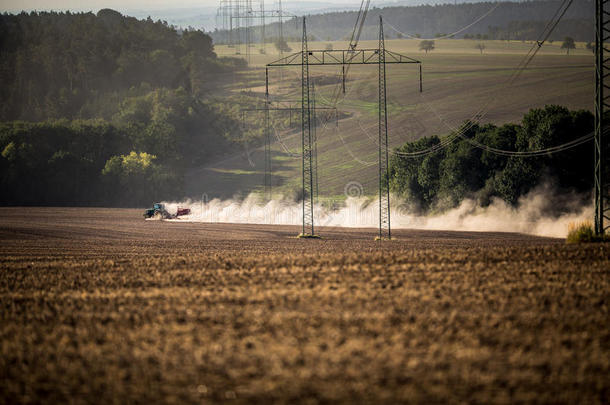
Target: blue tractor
(158,211)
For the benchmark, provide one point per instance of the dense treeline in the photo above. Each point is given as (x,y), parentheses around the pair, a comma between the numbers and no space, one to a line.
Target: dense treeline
(105,109)
(138,156)
(510,20)
(443,179)
(63,65)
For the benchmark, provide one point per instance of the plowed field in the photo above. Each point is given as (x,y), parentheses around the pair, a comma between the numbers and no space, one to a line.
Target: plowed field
(99,306)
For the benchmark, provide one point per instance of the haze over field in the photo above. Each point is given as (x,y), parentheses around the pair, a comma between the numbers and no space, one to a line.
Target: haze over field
(183,13)
(203,14)
(171,106)
(534,214)
(195,215)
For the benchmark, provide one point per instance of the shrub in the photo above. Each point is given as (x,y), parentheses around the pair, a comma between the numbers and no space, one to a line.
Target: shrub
(582,232)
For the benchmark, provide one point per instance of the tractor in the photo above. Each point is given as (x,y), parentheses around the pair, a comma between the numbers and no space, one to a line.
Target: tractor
(158,211)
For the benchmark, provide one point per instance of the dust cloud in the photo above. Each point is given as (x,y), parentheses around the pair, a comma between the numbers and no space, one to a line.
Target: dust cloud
(535,214)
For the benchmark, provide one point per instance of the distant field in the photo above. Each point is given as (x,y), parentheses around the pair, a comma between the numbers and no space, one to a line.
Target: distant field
(459,83)
(410,46)
(97,305)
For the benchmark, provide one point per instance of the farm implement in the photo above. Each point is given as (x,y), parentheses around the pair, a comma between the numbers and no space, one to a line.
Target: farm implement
(158,211)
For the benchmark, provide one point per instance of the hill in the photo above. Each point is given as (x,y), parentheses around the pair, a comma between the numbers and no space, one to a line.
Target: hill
(135,107)
(459,81)
(503,20)
(103,108)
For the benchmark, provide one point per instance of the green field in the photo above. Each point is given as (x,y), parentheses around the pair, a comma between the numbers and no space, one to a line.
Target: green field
(459,83)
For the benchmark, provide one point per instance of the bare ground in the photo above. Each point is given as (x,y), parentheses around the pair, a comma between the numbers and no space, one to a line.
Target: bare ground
(100,306)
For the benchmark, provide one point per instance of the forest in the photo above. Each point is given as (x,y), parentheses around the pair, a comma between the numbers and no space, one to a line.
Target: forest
(104,109)
(503,20)
(442,180)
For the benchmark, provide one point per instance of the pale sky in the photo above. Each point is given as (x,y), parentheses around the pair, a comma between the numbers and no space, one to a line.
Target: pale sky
(16,5)
(97,4)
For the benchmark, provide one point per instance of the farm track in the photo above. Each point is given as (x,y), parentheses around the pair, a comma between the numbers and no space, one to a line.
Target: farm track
(100,306)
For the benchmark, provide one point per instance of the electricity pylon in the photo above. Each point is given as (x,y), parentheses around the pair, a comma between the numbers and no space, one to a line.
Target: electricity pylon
(384,174)
(306,139)
(236,18)
(602,103)
(307,58)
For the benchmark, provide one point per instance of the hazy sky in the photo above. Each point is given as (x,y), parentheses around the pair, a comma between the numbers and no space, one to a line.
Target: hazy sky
(13,5)
(97,4)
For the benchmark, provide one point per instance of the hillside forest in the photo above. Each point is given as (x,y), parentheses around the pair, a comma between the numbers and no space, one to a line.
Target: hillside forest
(507,20)
(106,109)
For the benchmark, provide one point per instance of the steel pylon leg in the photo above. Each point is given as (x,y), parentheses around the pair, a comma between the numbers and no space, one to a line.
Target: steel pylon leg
(268,168)
(314,138)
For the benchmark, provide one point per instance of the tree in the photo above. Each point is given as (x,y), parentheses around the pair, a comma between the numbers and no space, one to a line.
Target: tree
(65,65)
(282,46)
(516,179)
(444,179)
(138,179)
(197,42)
(426,45)
(480,47)
(416,179)
(568,43)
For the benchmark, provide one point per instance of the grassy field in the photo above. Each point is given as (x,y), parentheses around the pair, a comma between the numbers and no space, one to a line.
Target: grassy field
(459,83)
(99,306)
(406,46)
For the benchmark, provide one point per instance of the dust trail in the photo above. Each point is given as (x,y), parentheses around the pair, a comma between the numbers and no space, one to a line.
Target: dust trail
(532,215)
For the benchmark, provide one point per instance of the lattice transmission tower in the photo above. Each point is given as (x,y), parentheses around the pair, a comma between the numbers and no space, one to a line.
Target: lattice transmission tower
(602,104)
(238,19)
(384,174)
(306,139)
(306,58)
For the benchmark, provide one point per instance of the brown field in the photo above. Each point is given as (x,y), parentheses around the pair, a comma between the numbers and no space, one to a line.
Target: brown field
(459,84)
(100,306)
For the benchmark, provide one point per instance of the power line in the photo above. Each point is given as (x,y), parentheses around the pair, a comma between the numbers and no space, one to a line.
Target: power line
(433,149)
(447,35)
(531,153)
(283,145)
(529,56)
(549,28)
(351,153)
(353,44)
